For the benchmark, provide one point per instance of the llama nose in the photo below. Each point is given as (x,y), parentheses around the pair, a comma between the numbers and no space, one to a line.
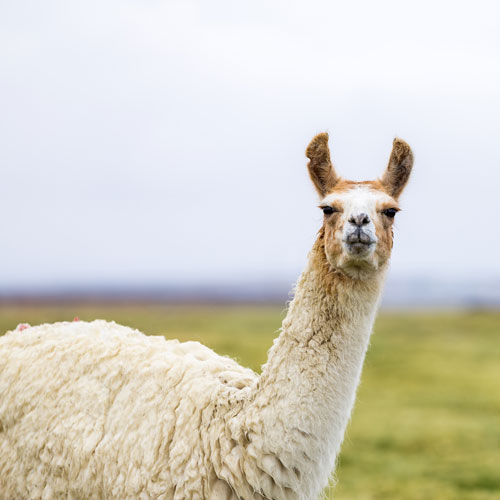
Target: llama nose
(360,219)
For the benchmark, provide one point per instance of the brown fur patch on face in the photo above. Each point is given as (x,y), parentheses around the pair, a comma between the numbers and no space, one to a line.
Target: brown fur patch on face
(399,168)
(385,234)
(332,244)
(320,166)
(343,185)
(329,275)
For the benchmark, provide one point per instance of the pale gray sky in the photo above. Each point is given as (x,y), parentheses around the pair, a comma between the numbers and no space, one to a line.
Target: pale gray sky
(157,142)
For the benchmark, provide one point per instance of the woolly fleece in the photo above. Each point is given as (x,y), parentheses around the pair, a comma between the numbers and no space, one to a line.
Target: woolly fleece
(97,410)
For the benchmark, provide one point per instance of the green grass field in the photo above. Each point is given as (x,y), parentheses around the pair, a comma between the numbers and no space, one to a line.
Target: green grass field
(427,419)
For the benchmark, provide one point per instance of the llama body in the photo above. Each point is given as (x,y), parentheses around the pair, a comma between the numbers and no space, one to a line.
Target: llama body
(97,410)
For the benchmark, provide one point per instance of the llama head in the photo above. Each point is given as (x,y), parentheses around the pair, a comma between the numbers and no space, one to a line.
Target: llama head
(358,216)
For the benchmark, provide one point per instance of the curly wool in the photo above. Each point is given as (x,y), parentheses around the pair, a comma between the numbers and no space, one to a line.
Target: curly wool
(98,410)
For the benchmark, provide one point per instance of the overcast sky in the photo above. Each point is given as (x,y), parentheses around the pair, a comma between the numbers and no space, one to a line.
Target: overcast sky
(158,142)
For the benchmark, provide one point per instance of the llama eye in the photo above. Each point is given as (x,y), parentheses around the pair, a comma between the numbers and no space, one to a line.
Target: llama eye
(328,210)
(390,212)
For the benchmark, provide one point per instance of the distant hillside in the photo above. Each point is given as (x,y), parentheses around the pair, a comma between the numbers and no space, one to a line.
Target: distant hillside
(400,292)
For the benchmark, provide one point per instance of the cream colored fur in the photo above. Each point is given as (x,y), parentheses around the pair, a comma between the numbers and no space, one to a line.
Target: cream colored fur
(100,411)
(97,410)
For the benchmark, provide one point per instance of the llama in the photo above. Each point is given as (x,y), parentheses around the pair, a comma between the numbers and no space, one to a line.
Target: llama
(98,410)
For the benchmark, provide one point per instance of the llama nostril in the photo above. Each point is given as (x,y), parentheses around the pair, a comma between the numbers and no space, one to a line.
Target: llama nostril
(360,220)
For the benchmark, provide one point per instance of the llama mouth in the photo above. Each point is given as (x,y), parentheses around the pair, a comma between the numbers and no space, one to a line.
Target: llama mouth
(359,248)
(359,243)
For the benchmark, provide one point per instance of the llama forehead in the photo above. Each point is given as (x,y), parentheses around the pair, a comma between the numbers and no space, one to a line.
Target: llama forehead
(359,198)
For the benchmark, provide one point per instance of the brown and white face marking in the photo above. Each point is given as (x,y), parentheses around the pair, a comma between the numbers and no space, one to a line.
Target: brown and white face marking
(358,216)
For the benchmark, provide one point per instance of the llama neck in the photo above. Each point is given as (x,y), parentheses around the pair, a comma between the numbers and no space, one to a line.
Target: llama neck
(302,403)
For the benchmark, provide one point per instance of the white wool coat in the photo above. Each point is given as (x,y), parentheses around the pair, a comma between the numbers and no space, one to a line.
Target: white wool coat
(97,410)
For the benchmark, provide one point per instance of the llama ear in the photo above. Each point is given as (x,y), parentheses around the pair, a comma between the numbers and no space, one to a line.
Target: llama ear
(320,166)
(399,168)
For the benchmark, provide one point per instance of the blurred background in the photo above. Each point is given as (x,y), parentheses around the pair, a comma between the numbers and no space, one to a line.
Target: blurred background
(152,171)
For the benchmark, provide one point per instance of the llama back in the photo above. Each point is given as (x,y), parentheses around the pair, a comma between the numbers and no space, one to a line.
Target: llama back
(101,404)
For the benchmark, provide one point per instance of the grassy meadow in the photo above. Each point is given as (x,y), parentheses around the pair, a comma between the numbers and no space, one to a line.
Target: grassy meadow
(427,419)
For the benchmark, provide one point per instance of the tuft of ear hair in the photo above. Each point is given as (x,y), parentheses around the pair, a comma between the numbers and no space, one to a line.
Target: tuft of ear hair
(320,166)
(399,168)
